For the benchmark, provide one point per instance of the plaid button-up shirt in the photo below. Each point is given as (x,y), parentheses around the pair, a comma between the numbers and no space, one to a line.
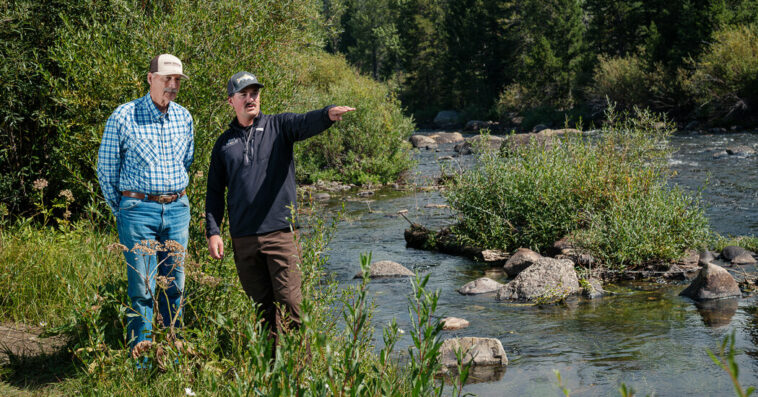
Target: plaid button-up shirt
(145,150)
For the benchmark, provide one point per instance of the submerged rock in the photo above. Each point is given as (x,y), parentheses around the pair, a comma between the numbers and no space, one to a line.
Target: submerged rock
(480,286)
(480,351)
(593,289)
(713,282)
(546,278)
(719,312)
(387,269)
(453,323)
(522,259)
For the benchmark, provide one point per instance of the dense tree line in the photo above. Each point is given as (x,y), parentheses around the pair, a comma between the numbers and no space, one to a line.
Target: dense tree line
(553,58)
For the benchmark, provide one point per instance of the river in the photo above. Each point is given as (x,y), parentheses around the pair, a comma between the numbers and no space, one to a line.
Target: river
(643,335)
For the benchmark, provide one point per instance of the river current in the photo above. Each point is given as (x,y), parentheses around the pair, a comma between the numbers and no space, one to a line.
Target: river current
(643,335)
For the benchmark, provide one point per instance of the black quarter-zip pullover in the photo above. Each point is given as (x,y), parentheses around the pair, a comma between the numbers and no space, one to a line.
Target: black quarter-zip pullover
(256,165)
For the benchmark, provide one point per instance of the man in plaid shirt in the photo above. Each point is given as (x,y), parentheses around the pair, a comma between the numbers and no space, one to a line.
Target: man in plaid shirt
(142,168)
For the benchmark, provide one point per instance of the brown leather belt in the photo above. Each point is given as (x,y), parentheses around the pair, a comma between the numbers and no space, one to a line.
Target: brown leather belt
(161,198)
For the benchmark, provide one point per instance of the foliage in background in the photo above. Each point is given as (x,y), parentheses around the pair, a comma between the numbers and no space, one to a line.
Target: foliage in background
(95,57)
(372,148)
(725,79)
(609,193)
(469,55)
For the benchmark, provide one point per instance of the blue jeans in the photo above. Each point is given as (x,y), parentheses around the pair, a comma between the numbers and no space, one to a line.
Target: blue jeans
(140,220)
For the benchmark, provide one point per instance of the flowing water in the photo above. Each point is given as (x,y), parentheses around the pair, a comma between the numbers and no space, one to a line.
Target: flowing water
(643,335)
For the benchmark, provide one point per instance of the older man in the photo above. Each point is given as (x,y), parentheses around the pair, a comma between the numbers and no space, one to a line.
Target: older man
(142,167)
(255,161)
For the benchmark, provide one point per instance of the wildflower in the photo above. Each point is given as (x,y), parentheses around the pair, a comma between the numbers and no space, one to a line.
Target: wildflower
(67,214)
(189,392)
(67,195)
(39,184)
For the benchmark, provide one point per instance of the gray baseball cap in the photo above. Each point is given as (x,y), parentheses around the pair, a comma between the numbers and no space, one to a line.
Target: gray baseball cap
(239,81)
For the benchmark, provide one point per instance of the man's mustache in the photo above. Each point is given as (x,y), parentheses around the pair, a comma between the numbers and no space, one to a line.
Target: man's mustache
(170,90)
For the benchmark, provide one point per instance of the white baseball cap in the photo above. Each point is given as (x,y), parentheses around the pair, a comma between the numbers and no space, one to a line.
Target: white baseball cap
(166,64)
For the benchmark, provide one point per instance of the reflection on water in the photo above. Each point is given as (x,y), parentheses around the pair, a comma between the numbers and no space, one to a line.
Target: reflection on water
(643,335)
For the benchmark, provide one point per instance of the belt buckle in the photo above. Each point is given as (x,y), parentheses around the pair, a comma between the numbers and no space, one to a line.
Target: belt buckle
(166,198)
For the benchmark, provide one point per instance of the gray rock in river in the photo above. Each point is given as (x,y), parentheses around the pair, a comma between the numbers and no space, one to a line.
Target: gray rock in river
(720,154)
(454,323)
(387,269)
(523,258)
(547,278)
(423,142)
(480,351)
(713,282)
(740,150)
(732,251)
(744,259)
(480,286)
(446,137)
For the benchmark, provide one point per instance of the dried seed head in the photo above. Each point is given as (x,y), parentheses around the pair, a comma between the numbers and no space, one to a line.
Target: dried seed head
(173,246)
(39,184)
(117,247)
(164,282)
(141,347)
(67,214)
(67,195)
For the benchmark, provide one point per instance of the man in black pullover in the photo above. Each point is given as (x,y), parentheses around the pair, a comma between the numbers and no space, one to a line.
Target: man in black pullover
(253,159)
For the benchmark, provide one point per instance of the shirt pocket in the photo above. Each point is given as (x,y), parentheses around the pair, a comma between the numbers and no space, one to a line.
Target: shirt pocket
(180,144)
(142,152)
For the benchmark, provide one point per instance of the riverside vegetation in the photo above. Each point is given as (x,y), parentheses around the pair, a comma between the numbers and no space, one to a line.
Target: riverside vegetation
(69,280)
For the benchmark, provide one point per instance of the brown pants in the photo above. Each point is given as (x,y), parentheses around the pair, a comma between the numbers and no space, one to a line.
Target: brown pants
(267,268)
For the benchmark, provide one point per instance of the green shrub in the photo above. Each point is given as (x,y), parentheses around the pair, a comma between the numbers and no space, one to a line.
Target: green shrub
(724,82)
(610,193)
(626,81)
(370,145)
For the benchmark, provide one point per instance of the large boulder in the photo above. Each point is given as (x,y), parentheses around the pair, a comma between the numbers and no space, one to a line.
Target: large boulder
(713,282)
(480,351)
(447,119)
(523,258)
(446,137)
(480,286)
(387,269)
(547,277)
(469,145)
(423,142)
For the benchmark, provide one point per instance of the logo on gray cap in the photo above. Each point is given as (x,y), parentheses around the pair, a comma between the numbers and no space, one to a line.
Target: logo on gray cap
(240,81)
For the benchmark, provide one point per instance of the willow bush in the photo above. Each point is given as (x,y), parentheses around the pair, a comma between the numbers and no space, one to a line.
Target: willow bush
(724,82)
(610,193)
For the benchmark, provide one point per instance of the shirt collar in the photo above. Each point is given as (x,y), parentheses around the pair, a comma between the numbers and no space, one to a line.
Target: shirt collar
(152,110)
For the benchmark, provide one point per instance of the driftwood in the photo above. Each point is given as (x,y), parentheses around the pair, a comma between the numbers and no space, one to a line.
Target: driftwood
(444,241)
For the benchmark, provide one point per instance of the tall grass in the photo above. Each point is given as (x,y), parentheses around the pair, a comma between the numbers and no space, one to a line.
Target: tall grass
(224,349)
(609,193)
